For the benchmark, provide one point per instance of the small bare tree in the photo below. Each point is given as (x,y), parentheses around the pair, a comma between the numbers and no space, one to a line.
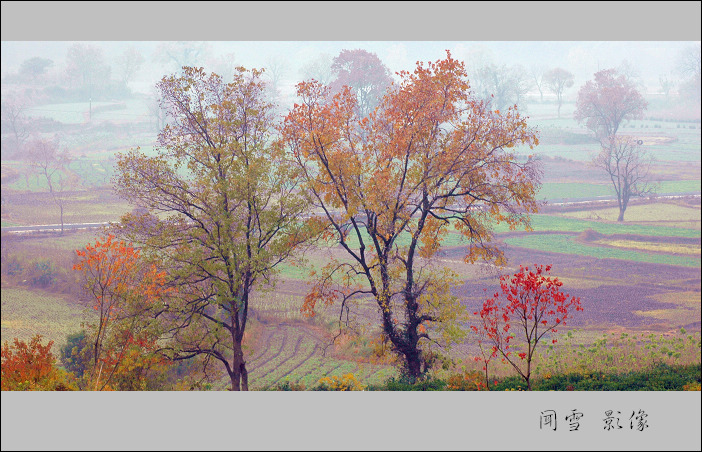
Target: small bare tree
(557,80)
(537,74)
(157,112)
(319,69)
(15,121)
(51,164)
(628,166)
(129,63)
(667,84)
(689,67)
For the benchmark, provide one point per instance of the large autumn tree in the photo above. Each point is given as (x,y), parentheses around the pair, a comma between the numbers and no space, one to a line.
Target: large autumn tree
(224,210)
(431,160)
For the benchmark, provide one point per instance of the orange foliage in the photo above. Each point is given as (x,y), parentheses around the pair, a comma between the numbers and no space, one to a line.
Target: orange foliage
(125,292)
(430,159)
(30,367)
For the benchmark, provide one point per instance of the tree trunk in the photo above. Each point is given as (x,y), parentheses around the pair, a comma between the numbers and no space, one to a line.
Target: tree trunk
(414,363)
(239,375)
(235,378)
(621,215)
(244,377)
(487,379)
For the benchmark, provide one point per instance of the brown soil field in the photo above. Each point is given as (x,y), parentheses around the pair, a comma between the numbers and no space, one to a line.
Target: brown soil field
(614,293)
(622,288)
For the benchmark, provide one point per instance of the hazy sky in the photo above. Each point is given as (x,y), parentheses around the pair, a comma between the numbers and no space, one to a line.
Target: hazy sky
(581,37)
(650,58)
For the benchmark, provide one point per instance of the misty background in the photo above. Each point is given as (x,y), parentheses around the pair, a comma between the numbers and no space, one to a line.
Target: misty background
(648,61)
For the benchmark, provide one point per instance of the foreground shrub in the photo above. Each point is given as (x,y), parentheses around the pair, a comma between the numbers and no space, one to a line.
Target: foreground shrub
(287,386)
(30,367)
(466,381)
(662,377)
(75,354)
(402,384)
(347,382)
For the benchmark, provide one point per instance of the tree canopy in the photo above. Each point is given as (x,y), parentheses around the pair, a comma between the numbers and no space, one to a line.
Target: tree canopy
(429,161)
(603,103)
(225,210)
(365,74)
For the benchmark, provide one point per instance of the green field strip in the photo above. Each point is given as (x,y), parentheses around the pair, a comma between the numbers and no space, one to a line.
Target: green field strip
(8,224)
(543,223)
(346,367)
(566,244)
(306,372)
(383,374)
(325,367)
(273,369)
(374,373)
(568,190)
(67,113)
(539,223)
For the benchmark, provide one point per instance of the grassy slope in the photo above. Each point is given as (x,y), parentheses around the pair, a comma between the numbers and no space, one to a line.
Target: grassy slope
(29,312)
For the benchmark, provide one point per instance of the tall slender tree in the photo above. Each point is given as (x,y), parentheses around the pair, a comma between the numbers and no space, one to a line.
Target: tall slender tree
(50,162)
(225,211)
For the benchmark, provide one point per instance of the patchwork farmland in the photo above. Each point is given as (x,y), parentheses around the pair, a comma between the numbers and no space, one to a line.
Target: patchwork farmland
(639,277)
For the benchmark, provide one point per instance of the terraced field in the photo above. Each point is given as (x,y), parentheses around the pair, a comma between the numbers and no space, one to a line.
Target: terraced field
(294,354)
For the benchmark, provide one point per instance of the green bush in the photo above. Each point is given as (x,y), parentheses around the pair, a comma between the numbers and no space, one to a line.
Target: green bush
(347,382)
(402,384)
(287,386)
(42,274)
(73,355)
(662,377)
(12,266)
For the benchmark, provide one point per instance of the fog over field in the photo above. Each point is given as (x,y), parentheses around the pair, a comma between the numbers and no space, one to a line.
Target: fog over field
(648,61)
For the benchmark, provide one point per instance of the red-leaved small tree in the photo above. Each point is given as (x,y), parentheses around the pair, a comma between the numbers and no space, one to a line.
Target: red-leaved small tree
(128,293)
(535,306)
